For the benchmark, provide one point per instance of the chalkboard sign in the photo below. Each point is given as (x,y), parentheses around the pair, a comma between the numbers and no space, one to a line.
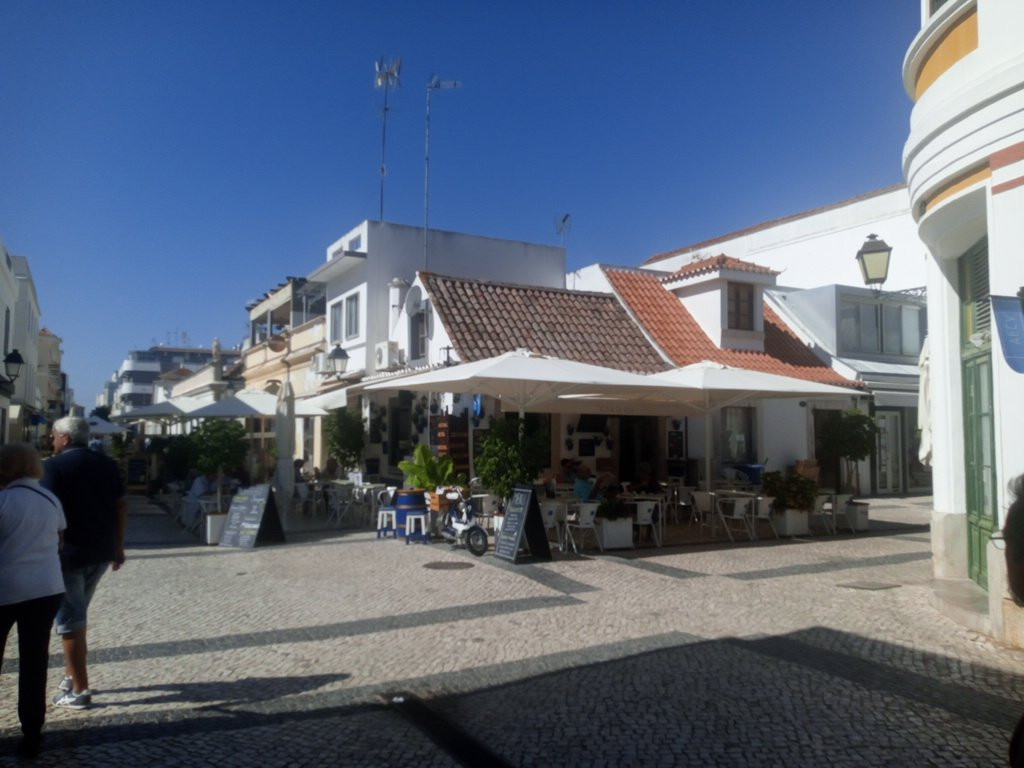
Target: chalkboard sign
(252,519)
(522,515)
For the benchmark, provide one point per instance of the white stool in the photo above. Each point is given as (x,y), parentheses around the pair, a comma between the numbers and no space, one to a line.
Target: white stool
(386,522)
(411,520)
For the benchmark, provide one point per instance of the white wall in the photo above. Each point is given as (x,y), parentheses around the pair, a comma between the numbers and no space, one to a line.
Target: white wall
(819,248)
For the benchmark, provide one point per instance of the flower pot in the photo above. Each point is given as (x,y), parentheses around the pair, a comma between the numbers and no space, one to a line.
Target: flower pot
(615,534)
(792,522)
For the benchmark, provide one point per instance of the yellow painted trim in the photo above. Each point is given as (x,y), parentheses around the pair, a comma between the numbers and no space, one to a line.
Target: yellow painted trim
(957,185)
(960,40)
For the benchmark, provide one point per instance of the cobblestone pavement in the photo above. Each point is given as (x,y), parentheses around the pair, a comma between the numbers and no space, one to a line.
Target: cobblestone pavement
(820,651)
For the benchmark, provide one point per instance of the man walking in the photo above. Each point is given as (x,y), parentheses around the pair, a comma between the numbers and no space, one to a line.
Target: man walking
(89,486)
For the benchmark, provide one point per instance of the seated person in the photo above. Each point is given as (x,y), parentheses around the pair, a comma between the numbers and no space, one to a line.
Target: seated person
(566,472)
(644,481)
(585,487)
(192,511)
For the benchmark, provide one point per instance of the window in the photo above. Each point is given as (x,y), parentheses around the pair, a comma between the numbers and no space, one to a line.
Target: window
(741,306)
(352,316)
(738,434)
(418,335)
(875,328)
(336,328)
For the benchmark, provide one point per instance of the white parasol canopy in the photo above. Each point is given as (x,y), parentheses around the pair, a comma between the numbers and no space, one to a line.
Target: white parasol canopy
(177,407)
(100,426)
(924,404)
(520,379)
(250,402)
(284,437)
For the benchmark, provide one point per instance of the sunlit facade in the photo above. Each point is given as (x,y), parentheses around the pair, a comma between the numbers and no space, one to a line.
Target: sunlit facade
(964,167)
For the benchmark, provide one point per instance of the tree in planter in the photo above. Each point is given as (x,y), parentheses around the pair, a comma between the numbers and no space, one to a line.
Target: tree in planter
(510,457)
(847,437)
(790,491)
(219,444)
(346,438)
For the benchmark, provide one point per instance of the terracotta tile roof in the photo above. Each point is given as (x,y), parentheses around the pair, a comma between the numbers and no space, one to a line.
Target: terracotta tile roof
(486,319)
(674,329)
(772,223)
(716,264)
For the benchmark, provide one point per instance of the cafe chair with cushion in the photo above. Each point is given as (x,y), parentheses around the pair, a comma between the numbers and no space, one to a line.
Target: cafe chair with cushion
(734,512)
(583,523)
(645,518)
(823,510)
(763,513)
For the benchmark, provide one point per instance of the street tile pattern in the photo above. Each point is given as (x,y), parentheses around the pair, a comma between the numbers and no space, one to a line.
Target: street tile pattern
(347,650)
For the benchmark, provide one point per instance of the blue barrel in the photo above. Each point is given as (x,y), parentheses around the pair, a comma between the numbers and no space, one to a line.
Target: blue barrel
(408,500)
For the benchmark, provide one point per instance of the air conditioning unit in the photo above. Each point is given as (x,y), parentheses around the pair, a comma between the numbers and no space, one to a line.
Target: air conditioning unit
(319,362)
(387,354)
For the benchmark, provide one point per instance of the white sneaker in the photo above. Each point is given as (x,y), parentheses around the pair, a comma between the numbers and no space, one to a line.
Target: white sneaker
(72,700)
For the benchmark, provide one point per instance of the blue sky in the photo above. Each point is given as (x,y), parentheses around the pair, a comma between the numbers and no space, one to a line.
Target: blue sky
(164,162)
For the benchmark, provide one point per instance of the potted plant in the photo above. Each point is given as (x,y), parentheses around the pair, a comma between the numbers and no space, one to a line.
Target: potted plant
(346,438)
(430,473)
(847,437)
(510,457)
(794,497)
(218,443)
(614,524)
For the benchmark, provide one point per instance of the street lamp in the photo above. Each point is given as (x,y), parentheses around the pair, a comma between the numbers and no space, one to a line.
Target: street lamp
(13,363)
(873,258)
(337,362)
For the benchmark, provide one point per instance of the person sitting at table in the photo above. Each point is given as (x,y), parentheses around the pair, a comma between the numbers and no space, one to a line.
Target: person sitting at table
(192,513)
(587,488)
(566,471)
(644,481)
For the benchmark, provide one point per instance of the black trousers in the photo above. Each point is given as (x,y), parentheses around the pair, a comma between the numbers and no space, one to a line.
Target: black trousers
(35,623)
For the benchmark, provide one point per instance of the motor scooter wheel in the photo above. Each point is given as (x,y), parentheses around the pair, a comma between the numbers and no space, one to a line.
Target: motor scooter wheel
(476,540)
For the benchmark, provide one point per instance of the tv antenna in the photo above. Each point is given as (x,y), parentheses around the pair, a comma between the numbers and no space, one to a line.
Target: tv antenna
(563,224)
(385,76)
(434,84)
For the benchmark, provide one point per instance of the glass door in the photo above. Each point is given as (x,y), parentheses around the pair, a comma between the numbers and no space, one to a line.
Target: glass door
(979,451)
(889,452)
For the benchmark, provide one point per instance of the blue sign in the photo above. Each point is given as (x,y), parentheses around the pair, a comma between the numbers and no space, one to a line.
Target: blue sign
(1009,316)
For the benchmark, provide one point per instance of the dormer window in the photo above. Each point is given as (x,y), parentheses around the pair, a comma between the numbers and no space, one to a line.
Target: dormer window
(418,335)
(741,307)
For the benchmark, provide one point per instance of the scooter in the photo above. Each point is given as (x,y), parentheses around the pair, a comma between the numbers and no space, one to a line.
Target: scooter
(459,524)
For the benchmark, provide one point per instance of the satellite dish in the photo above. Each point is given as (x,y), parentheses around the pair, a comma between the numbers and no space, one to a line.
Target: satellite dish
(413,300)
(277,343)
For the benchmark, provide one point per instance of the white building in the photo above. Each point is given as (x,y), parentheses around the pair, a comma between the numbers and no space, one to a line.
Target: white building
(964,166)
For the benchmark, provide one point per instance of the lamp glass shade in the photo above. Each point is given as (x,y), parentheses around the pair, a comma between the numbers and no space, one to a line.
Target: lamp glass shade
(337,360)
(873,258)
(13,363)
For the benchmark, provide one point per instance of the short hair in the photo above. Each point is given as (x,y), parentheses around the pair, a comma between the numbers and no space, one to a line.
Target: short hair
(74,427)
(1013,524)
(19,460)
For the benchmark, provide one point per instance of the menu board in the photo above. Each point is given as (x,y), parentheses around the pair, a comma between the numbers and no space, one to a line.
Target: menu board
(252,519)
(522,517)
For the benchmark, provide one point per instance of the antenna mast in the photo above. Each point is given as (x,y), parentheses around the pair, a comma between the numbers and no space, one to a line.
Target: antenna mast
(385,75)
(433,85)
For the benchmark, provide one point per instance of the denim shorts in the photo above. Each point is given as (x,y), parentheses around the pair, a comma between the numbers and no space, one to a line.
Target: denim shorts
(79,586)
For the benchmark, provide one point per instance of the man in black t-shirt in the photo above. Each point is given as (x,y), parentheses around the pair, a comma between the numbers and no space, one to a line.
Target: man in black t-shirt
(89,486)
